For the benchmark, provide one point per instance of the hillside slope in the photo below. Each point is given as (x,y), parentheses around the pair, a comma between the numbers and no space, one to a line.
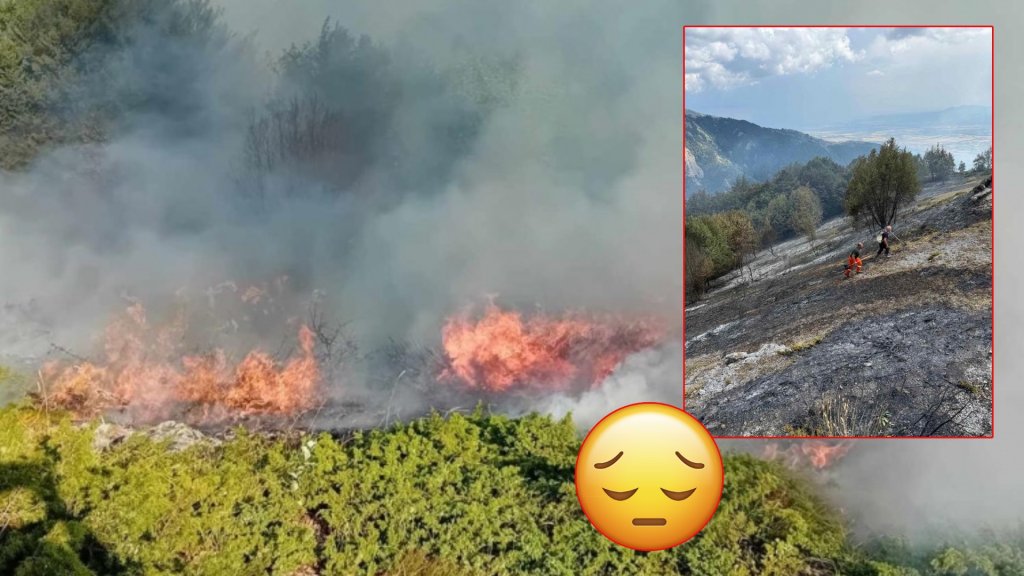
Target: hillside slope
(719,150)
(902,349)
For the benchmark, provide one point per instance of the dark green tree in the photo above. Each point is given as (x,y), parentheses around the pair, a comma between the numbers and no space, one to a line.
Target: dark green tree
(983,161)
(881,184)
(940,163)
(806,213)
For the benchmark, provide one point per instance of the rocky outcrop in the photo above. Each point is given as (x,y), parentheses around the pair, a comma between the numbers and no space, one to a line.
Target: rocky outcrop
(179,436)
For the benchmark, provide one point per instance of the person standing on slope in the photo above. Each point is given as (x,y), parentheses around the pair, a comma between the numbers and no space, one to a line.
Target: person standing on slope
(883,241)
(854,260)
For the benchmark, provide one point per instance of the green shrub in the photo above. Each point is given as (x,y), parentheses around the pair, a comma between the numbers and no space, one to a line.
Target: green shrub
(467,494)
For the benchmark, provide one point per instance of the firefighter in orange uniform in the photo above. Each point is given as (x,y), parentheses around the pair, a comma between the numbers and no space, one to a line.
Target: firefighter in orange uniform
(854,261)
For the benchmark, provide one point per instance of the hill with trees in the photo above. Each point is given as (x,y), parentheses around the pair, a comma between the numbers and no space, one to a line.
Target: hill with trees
(797,198)
(793,202)
(721,150)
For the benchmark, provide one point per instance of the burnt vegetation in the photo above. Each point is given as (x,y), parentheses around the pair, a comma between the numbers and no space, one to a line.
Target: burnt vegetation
(725,230)
(901,349)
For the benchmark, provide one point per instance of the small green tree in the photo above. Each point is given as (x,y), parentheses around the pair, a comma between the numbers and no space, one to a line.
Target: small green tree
(741,234)
(924,174)
(983,161)
(962,169)
(940,163)
(778,213)
(881,184)
(806,214)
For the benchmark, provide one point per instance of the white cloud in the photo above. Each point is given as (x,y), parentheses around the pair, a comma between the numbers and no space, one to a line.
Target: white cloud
(922,43)
(876,72)
(927,68)
(724,58)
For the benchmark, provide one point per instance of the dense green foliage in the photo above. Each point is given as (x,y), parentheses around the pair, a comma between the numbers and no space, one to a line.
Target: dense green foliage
(715,245)
(481,494)
(476,494)
(56,54)
(881,184)
(723,229)
(983,161)
(827,179)
(806,212)
(938,164)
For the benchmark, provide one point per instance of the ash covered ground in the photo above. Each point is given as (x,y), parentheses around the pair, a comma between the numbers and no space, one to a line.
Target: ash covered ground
(902,349)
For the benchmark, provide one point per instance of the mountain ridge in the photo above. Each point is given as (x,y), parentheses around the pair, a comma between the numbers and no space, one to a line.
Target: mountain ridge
(719,150)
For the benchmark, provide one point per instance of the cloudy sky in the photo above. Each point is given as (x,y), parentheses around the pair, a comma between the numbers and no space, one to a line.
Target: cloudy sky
(810,77)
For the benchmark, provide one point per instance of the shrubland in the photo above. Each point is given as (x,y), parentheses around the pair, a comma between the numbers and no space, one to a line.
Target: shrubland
(471,493)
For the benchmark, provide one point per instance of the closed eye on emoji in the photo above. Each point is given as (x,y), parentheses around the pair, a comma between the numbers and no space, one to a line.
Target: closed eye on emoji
(620,495)
(649,476)
(679,495)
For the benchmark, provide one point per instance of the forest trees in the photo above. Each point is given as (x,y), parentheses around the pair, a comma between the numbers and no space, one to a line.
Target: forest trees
(769,204)
(881,183)
(940,163)
(70,68)
(346,106)
(983,161)
(806,214)
(715,245)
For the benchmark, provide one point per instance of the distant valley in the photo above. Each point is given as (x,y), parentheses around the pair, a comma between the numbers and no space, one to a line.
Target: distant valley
(720,150)
(965,131)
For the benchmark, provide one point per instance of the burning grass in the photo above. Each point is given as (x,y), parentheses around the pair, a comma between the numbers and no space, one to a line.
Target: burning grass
(501,351)
(146,371)
(818,454)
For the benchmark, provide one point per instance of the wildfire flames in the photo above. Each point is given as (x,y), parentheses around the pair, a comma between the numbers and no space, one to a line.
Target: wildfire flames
(146,372)
(819,454)
(501,351)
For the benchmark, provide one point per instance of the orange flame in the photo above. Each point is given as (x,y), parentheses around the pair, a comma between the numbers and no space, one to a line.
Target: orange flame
(145,371)
(501,351)
(819,454)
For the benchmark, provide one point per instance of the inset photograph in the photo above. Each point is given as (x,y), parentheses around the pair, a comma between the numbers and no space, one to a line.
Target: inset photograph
(838,198)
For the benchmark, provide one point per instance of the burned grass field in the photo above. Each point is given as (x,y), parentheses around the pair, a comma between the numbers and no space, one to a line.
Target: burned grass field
(788,347)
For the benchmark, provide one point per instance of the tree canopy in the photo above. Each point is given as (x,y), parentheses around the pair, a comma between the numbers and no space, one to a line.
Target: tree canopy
(881,184)
(806,215)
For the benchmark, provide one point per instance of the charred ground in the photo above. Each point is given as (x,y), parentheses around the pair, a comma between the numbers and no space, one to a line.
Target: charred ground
(788,347)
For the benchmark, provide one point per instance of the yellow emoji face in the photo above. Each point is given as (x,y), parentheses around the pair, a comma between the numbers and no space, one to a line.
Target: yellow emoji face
(649,476)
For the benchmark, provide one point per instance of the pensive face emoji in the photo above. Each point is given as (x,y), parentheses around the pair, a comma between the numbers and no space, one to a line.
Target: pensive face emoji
(649,476)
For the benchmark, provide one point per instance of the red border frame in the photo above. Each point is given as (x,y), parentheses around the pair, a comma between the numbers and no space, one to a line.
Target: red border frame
(992,244)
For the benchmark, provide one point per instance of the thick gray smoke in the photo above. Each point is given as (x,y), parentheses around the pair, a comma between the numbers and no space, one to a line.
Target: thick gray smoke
(559,187)
(559,195)
(648,376)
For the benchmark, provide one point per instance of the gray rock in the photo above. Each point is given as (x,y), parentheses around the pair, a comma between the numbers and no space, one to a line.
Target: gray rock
(735,357)
(181,436)
(107,435)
